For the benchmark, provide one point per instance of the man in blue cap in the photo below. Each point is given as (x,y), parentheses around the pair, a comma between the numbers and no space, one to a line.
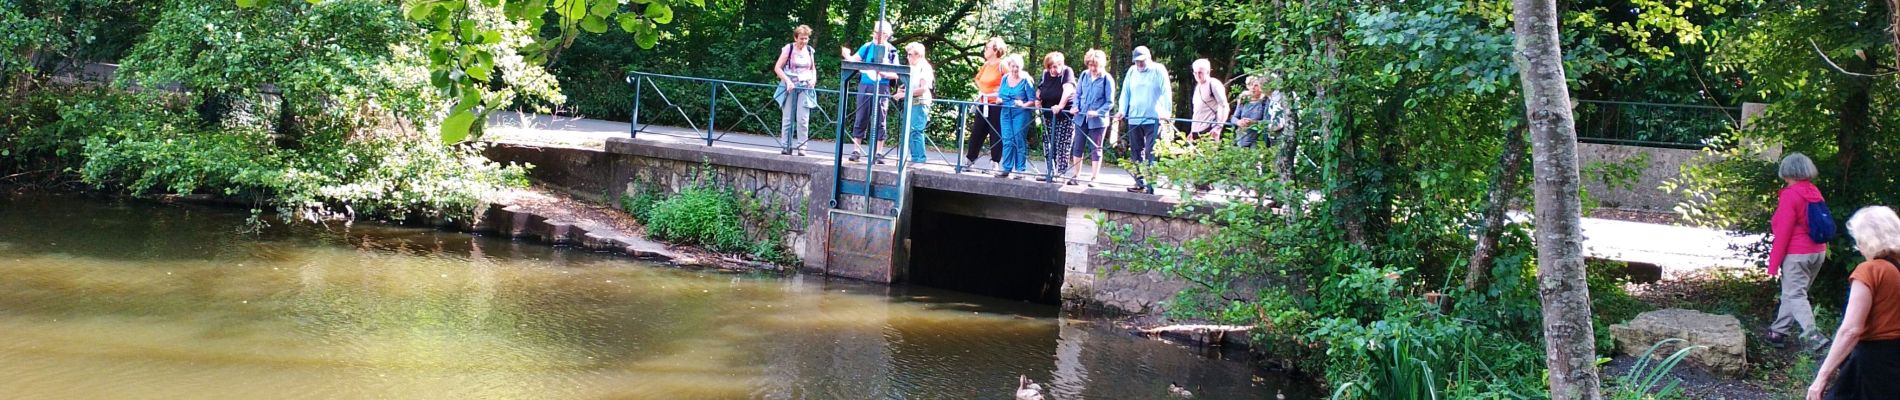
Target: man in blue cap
(1145,103)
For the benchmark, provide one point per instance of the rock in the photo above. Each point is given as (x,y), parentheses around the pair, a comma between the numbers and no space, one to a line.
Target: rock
(1726,354)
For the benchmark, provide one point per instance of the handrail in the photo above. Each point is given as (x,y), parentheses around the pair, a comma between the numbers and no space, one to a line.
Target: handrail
(948,154)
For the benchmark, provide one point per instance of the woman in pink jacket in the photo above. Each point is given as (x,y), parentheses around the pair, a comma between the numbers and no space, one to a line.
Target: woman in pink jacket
(1794,256)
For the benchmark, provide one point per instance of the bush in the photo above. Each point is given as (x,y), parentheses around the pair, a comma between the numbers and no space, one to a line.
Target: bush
(147,144)
(701,216)
(713,218)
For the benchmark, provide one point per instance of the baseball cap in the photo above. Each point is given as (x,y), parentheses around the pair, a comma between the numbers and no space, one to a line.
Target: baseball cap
(1141,53)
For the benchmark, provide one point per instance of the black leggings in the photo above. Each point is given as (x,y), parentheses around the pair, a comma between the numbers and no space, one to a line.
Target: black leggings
(982,128)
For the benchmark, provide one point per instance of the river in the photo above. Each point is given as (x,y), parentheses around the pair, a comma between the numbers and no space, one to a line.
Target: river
(130,300)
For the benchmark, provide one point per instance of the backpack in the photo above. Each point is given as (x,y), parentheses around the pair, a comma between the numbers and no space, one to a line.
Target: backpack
(1820,223)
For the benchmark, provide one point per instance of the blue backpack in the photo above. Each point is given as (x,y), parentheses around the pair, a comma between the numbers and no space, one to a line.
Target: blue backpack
(1820,223)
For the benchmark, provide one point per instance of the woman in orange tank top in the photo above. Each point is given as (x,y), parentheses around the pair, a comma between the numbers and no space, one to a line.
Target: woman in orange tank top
(1866,349)
(989,117)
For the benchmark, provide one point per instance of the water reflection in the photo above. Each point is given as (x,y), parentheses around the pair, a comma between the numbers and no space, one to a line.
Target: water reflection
(103,300)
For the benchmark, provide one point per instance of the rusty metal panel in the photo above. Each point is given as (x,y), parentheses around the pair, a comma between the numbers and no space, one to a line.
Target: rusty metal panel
(860,246)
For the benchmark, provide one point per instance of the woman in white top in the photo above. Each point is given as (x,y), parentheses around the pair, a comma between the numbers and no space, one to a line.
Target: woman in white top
(797,71)
(923,80)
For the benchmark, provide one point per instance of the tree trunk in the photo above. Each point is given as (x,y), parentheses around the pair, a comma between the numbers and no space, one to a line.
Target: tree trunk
(818,17)
(1569,338)
(1893,28)
(1035,27)
(1124,32)
(854,29)
(1345,156)
(1503,189)
(1068,29)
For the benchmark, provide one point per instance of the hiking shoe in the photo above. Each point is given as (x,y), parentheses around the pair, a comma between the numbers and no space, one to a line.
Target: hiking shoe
(1776,340)
(1818,344)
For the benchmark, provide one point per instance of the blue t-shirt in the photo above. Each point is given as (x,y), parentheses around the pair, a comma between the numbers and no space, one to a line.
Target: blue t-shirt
(877,54)
(1144,91)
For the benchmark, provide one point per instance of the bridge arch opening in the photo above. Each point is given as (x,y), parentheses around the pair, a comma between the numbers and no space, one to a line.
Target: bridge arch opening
(987,245)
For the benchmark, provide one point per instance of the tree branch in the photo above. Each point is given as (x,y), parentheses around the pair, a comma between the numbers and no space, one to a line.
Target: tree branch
(1837,67)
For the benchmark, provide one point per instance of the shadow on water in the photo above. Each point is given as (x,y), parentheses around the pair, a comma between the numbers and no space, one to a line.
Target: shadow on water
(133,300)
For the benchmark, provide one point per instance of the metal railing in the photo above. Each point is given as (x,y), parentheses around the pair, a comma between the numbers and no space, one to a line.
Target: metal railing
(1675,126)
(746,107)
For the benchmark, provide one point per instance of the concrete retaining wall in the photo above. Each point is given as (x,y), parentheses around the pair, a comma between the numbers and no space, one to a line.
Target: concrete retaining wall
(603,176)
(1646,194)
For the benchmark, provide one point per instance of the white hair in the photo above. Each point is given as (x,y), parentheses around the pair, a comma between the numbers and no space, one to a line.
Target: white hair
(1876,231)
(1202,65)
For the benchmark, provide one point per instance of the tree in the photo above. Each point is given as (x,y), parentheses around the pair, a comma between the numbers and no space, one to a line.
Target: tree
(1569,337)
(470,40)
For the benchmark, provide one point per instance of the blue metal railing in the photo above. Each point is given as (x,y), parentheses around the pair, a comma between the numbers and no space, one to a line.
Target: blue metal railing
(753,99)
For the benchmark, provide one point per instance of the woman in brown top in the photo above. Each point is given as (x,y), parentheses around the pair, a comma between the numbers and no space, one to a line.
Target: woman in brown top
(1870,329)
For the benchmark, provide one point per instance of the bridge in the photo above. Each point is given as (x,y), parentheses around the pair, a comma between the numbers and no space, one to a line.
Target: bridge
(941,223)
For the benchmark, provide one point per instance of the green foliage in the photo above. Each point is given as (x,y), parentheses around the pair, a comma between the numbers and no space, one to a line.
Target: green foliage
(640,204)
(48,37)
(145,144)
(715,218)
(351,61)
(469,41)
(1837,116)
(23,36)
(1640,382)
(1402,110)
(1610,302)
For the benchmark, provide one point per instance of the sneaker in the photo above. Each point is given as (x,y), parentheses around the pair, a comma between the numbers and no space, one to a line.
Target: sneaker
(855,156)
(1818,343)
(785,152)
(799,152)
(1134,189)
(1004,174)
(1776,340)
(1071,182)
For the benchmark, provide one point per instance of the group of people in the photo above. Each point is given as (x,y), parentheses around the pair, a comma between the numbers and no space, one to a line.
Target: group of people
(1864,354)
(1076,109)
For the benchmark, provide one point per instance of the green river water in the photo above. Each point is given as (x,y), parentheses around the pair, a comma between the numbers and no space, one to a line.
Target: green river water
(129,300)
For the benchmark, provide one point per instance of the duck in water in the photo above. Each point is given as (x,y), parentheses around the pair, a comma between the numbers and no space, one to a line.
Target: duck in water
(1027,389)
(1178,392)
